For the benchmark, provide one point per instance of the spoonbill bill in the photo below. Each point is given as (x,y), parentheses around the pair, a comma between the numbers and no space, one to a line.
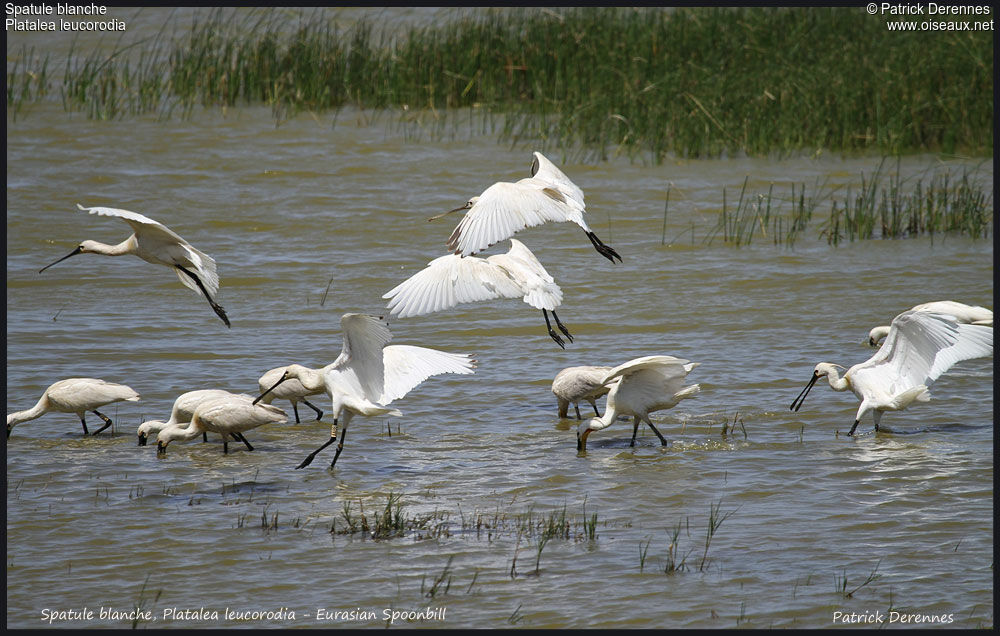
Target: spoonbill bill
(155,243)
(181,413)
(504,209)
(573,384)
(291,390)
(640,387)
(451,279)
(921,345)
(227,415)
(368,375)
(76,395)
(963,313)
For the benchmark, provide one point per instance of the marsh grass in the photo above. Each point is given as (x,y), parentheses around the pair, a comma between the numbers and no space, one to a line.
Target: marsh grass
(644,82)
(885,206)
(841,581)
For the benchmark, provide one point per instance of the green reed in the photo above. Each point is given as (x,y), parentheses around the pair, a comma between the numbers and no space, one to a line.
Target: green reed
(638,81)
(886,206)
(27,81)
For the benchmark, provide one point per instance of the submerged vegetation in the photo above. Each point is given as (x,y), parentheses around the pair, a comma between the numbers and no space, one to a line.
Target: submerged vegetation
(642,81)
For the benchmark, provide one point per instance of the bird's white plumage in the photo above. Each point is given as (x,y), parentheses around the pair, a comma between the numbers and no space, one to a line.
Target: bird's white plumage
(921,345)
(407,366)
(573,384)
(75,395)
(226,415)
(181,412)
(290,389)
(963,313)
(506,208)
(451,280)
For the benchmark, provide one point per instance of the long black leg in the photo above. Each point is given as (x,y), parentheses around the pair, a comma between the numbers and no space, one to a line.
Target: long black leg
(597,413)
(577,407)
(555,336)
(561,326)
(84,422)
(312,455)
(851,432)
(635,428)
(240,437)
(204,437)
(295,407)
(606,251)
(663,441)
(107,421)
(319,413)
(340,445)
(219,311)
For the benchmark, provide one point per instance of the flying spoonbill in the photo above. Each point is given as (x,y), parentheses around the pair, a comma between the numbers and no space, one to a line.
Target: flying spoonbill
(506,208)
(291,390)
(181,413)
(228,415)
(573,384)
(921,345)
(963,313)
(76,395)
(644,385)
(368,375)
(155,243)
(451,279)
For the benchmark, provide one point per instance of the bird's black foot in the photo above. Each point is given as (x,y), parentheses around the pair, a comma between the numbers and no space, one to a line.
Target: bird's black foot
(606,251)
(220,312)
(562,327)
(555,336)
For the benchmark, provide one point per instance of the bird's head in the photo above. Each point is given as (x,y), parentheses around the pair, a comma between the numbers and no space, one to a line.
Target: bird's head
(583,430)
(876,334)
(147,427)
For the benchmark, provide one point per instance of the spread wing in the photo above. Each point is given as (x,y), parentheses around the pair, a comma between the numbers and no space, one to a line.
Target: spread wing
(922,345)
(506,208)
(544,170)
(407,366)
(667,366)
(448,281)
(360,360)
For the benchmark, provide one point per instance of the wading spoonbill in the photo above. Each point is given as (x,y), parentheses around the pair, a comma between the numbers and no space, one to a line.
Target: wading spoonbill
(76,395)
(228,415)
(155,243)
(451,279)
(573,384)
(368,375)
(291,390)
(644,385)
(963,313)
(181,413)
(919,348)
(504,209)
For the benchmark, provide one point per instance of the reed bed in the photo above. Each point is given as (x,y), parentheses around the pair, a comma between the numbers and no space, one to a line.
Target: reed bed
(696,82)
(886,206)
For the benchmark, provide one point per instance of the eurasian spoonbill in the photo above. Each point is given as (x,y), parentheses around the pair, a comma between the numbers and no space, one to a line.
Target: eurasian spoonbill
(504,209)
(644,385)
(76,395)
(291,390)
(573,384)
(368,375)
(451,279)
(181,413)
(155,243)
(963,313)
(228,415)
(920,347)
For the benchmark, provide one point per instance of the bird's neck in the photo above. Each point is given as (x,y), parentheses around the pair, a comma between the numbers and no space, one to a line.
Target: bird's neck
(128,246)
(36,411)
(837,383)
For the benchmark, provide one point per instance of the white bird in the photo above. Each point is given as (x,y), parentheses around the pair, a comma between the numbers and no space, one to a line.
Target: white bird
(155,243)
(368,375)
(919,348)
(76,395)
(228,415)
(181,413)
(644,385)
(963,313)
(573,384)
(291,390)
(451,279)
(506,208)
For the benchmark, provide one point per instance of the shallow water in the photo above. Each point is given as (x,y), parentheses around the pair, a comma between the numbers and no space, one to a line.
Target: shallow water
(99,522)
